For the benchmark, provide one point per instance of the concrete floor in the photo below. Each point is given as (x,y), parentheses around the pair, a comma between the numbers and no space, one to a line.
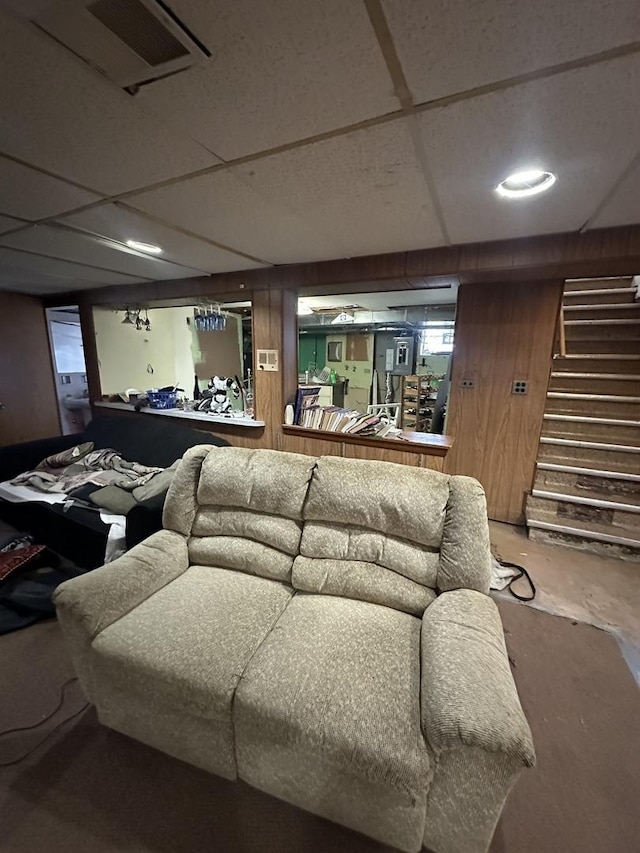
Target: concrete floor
(603,591)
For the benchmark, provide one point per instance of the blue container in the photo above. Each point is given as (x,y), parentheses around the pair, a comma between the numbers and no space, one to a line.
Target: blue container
(162,399)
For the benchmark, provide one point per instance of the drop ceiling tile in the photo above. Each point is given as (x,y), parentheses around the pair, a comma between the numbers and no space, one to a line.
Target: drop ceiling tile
(583,125)
(222,208)
(27,281)
(8,224)
(364,190)
(30,194)
(278,72)
(70,120)
(448,46)
(623,208)
(37,266)
(117,222)
(83,248)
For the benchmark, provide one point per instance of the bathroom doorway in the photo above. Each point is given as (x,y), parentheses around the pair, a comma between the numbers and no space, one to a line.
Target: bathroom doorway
(69,368)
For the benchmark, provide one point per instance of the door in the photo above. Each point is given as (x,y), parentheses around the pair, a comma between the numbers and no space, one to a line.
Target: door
(28,403)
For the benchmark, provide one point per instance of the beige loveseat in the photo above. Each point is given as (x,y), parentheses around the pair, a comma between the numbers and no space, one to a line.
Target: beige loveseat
(319,628)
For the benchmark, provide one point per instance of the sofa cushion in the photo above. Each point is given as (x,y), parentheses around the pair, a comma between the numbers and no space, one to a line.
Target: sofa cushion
(145,439)
(465,553)
(365,581)
(350,542)
(372,531)
(333,694)
(281,533)
(166,673)
(188,644)
(157,485)
(397,500)
(242,508)
(244,555)
(113,499)
(262,480)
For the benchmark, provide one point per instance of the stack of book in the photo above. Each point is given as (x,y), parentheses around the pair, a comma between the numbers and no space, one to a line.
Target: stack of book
(335,419)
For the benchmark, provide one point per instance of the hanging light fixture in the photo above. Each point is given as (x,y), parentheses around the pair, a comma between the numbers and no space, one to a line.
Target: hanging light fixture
(147,322)
(127,318)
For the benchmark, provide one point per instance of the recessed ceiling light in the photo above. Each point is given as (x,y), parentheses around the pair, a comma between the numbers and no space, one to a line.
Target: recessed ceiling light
(304,310)
(526,183)
(149,248)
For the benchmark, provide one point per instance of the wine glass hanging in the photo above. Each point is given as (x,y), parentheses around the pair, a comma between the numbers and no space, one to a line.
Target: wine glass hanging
(209,318)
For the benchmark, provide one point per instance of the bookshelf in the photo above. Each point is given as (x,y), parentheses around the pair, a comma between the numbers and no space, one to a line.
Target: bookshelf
(418,400)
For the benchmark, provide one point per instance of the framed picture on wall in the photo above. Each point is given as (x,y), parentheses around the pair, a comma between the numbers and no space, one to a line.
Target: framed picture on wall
(334,351)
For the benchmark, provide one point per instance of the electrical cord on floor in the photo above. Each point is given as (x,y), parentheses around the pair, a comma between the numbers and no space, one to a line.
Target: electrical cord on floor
(44,720)
(521,573)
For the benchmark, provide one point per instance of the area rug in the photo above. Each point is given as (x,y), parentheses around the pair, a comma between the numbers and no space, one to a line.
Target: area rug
(90,789)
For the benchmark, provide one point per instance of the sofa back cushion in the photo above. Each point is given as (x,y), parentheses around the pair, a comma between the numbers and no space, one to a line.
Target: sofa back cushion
(241,509)
(149,440)
(373,531)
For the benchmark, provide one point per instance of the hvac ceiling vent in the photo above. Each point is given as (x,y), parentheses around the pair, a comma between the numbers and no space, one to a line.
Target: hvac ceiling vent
(131,42)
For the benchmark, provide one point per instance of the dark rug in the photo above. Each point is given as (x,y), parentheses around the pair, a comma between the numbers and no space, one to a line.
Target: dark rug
(90,789)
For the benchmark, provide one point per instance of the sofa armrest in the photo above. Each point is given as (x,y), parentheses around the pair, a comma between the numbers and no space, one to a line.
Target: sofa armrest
(88,604)
(468,696)
(144,519)
(25,456)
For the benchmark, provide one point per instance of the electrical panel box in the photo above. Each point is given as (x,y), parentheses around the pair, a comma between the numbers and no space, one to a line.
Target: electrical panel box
(403,356)
(389,360)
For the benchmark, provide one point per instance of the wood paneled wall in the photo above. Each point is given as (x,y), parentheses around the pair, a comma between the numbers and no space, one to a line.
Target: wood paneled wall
(503,333)
(601,252)
(27,382)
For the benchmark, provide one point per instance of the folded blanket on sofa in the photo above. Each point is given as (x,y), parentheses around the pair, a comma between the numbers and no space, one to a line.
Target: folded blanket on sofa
(103,467)
(121,498)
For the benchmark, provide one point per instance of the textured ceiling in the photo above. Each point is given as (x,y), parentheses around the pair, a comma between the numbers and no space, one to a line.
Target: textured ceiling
(317,129)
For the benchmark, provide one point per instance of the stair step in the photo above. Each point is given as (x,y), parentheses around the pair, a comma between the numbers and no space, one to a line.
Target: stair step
(618,422)
(614,344)
(631,321)
(605,306)
(610,295)
(609,398)
(610,384)
(594,362)
(587,471)
(586,457)
(592,405)
(566,530)
(586,518)
(611,457)
(573,284)
(582,427)
(585,500)
(608,314)
(599,355)
(625,377)
(591,445)
(614,487)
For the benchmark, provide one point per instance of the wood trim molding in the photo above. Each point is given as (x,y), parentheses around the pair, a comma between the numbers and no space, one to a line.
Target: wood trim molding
(608,251)
(411,442)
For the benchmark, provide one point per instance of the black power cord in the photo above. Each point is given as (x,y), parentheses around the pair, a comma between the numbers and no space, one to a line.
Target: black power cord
(521,573)
(44,720)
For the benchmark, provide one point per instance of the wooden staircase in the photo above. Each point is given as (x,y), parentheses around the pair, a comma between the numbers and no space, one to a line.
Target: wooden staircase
(586,492)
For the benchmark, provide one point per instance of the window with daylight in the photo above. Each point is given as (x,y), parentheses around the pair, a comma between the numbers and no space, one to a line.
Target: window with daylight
(437,337)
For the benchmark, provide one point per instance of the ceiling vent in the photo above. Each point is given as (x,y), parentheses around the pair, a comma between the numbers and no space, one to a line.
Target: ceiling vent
(132,42)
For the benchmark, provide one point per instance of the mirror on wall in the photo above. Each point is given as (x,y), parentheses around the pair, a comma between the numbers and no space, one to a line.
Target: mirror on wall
(184,348)
(385,354)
